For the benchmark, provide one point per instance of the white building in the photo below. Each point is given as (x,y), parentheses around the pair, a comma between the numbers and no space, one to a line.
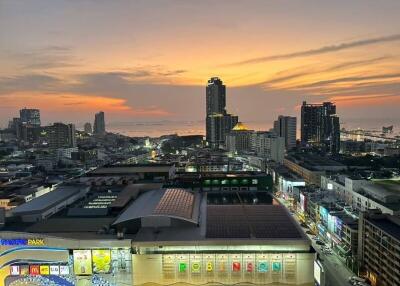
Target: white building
(268,145)
(362,195)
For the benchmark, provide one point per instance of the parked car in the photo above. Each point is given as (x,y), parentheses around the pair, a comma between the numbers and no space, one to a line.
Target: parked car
(355,280)
(319,242)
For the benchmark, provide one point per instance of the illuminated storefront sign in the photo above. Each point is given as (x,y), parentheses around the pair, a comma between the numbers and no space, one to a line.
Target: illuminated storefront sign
(182,267)
(14,270)
(263,266)
(64,270)
(195,267)
(54,270)
(83,262)
(249,267)
(276,266)
(101,260)
(235,266)
(34,270)
(44,269)
(22,241)
(209,267)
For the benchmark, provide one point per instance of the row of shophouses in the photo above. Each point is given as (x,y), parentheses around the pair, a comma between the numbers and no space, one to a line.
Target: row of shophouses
(338,210)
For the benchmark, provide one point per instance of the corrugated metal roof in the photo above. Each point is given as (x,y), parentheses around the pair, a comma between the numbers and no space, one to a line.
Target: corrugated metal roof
(47,201)
(149,204)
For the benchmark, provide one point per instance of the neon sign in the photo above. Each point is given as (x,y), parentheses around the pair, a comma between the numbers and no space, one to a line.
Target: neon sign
(22,241)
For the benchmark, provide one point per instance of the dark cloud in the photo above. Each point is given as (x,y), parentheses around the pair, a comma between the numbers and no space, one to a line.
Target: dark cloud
(44,58)
(321,50)
(311,70)
(323,83)
(32,82)
(175,72)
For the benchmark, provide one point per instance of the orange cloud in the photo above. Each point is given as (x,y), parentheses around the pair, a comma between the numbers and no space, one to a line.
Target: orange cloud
(366,100)
(75,103)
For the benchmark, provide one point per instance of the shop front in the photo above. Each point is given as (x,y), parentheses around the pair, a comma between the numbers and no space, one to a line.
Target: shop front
(41,261)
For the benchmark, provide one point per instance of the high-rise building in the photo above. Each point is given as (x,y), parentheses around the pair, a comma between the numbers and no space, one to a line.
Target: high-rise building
(218,126)
(218,122)
(285,126)
(30,116)
(61,135)
(215,96)
(334,134)
(87,127)
(379,247)
(320,126)
(99,126)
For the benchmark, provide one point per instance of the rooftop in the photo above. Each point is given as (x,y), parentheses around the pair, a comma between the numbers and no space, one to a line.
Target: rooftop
(173,203)
(240,127)
(389,226)
(47,200)
(132,169)
(250,221)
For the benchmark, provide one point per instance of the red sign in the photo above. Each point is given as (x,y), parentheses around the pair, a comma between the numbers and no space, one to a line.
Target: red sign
(236,266)
(249,267)
(34,269)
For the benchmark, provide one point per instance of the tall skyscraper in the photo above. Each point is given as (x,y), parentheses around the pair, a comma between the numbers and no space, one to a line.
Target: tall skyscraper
(215,96)
(87,127)
(61,135)
(30,116)
(320,126)
(218,122)
(99,126)
(286,127)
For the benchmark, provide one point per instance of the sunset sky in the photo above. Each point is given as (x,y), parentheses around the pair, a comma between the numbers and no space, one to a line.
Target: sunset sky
(150,60)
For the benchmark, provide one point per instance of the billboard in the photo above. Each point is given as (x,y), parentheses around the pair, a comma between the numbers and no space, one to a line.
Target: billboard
(317,272)
(82,262)
(303,202)
(101,260)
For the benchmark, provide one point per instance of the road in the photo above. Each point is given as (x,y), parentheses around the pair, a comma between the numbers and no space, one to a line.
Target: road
(336,273)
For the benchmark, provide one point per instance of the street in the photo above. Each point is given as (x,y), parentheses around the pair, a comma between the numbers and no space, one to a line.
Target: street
(336,273)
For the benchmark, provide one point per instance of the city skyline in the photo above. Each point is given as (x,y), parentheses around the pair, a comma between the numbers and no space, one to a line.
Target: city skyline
(135,68)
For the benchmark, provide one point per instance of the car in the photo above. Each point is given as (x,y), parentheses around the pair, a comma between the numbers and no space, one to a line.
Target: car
(319,242)
(309,232)
(356,279)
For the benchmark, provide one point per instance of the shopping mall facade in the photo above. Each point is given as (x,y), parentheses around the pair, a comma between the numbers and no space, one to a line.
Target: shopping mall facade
(165,236)
(114,262)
